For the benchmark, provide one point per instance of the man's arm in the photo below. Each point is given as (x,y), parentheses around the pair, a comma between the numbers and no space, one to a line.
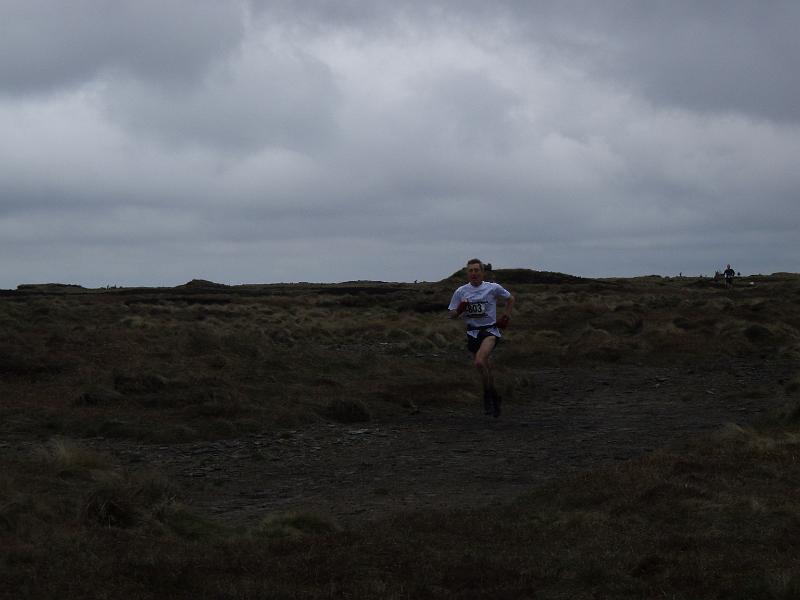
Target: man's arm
(457,312)
(509,306)
(503,321)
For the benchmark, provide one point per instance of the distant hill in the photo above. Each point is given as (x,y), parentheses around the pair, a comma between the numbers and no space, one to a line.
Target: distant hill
(50,287)
(202,284)
(518,276)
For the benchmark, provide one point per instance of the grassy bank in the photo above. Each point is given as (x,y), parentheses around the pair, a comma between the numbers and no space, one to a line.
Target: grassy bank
(718,518)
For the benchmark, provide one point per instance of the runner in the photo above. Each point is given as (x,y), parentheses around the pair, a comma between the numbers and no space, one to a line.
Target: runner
(476,302)
(729,273)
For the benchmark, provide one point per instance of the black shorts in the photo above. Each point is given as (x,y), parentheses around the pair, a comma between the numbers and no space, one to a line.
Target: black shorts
(474,343)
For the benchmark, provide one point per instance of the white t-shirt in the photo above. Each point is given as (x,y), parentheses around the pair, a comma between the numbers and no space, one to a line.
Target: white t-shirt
(481,304)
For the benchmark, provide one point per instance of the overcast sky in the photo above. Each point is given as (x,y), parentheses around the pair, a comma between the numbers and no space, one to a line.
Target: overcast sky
(150,142)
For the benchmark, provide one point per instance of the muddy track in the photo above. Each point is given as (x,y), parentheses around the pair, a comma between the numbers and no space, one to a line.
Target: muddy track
(571,420)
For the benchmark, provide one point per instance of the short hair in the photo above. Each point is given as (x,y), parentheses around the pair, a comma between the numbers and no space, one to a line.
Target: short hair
(475,261)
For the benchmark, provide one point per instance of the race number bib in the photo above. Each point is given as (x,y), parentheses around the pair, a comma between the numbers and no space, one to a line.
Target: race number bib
(476,310)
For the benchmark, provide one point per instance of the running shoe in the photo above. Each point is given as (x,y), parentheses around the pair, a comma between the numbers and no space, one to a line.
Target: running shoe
(488,402)
(495,404)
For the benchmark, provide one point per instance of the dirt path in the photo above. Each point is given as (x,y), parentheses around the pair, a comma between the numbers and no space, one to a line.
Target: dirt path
(573,419)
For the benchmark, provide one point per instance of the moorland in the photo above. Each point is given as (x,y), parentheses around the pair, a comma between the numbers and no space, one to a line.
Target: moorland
(327,441)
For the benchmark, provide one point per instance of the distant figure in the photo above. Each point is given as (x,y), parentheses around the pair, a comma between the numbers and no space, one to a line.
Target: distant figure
(729,274)
(476,303)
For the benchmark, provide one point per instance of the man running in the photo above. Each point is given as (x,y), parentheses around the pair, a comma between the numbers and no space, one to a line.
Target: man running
(729,273)
(476,303)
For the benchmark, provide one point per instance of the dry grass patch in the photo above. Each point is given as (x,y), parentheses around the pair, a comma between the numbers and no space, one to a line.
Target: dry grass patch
(293,525)
(63,455)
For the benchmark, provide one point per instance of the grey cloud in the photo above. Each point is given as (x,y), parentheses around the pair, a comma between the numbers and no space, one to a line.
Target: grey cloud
(738,57)
(723,55)
(475,112)
(47,45)
(287,100)
(718,56)
(373,19)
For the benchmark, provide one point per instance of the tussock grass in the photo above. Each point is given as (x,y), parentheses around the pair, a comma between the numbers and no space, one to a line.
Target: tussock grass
(22,357)
(65,487)
(347,410)
(122,499)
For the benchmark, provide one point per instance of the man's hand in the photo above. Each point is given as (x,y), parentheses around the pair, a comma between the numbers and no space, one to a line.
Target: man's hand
(503,322)
(462,306)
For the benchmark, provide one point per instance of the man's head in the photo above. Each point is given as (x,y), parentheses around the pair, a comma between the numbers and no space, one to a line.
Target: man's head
(475,271)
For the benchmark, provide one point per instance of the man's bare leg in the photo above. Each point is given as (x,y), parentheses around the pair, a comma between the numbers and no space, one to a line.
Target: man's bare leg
(483,364)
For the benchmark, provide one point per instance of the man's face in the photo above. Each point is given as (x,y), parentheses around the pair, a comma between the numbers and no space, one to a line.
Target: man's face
(475,273)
